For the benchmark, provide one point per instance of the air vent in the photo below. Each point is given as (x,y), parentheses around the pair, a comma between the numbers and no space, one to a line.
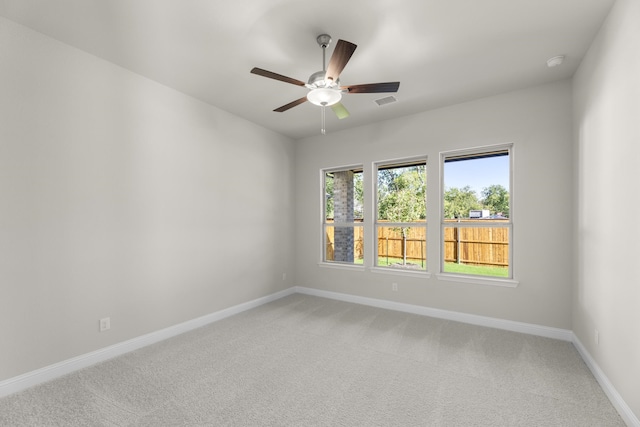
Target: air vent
(386,100)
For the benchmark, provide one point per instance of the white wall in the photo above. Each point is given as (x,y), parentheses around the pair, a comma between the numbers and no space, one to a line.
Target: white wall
(607,133)
(121,197)
(538,122)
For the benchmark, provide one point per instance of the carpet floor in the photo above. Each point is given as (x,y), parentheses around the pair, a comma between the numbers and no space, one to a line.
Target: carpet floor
(310,361)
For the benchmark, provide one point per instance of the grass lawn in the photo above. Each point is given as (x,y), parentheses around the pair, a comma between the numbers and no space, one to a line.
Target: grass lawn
(478,270)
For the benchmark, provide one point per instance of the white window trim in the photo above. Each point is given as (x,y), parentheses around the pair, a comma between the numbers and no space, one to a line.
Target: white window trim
(510,282)
(478,280)
(400,272)
(374,268)
(341,265)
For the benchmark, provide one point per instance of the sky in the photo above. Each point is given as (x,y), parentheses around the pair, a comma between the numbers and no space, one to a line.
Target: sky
(477,174)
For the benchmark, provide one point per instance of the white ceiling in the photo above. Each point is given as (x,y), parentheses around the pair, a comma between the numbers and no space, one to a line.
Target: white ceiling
(442,51)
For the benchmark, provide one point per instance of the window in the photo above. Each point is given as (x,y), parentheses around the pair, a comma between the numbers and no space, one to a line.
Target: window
(401,212)
(342,230)
(477,219)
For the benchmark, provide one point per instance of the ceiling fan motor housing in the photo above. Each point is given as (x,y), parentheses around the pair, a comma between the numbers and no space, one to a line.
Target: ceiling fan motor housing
(317,80)
(323,92)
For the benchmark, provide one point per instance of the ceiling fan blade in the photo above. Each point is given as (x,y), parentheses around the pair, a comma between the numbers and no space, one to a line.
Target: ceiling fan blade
(373,87)
(276,76)
(341,55)
(340,110)
(291,105)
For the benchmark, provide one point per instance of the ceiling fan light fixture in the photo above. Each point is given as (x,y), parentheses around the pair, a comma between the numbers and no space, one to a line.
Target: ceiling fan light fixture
(324,96)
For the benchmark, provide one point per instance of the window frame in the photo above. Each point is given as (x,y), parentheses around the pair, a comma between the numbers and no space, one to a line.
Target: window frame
(471,278)
(324,224)
(384,164)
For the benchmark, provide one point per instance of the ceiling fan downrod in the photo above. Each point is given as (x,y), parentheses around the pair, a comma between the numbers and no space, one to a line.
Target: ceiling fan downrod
(324,40)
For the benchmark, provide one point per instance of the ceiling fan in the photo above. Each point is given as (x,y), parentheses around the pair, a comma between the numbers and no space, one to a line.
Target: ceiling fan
(324,86)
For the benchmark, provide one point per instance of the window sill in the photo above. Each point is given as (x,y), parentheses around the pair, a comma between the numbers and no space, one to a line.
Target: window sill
(490,281)
(342,266)
(401,272)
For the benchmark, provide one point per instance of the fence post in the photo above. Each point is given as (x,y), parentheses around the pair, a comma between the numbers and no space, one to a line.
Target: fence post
(458,243)
(387,250)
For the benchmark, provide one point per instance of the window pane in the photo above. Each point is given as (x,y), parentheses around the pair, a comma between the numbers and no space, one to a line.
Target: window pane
(402,193)
(479,250)
(477,186)
(344,196)
(344,244)
(402,247)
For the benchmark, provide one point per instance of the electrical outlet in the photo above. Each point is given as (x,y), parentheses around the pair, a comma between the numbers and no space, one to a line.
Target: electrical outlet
(284,276)
(105,324)
(596,337)
(394,286)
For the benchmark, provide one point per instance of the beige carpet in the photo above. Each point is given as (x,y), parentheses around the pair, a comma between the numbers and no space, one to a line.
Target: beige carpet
(306,361)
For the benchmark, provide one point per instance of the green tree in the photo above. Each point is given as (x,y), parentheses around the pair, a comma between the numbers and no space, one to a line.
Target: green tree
(496,199)
(403,198)
(459,201)
(358,195)
(328,188)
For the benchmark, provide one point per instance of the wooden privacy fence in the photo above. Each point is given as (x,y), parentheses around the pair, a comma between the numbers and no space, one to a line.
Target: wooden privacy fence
(466,245)
(390,243)
(477,245)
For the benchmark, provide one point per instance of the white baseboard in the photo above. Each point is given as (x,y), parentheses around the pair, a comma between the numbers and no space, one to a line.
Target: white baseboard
(51,372)
(30,379)
(618,402)
(509,325)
